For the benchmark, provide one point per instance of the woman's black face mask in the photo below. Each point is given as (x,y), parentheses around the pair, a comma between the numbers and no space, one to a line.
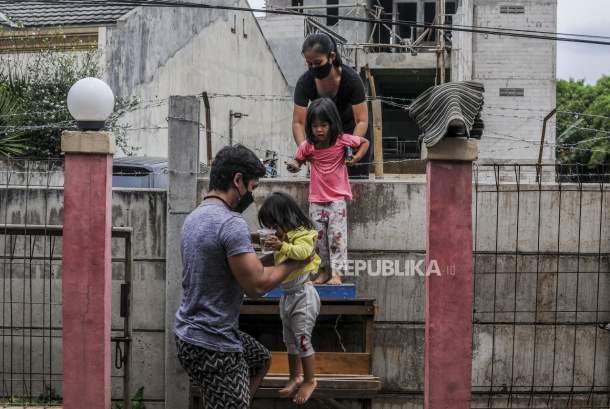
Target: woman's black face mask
(322,71)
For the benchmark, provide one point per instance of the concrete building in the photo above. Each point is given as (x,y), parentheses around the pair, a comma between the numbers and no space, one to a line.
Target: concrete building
(149,53)
(518,73)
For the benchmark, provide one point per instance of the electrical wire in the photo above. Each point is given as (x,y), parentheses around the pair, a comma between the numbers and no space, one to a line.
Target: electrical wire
(472,29)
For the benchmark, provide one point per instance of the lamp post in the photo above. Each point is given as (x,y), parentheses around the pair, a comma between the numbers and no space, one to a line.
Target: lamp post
(236,115)
(86,281)
(90,102)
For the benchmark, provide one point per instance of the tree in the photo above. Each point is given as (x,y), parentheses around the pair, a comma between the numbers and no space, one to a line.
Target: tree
(11,142)
(38,84)
(583,124)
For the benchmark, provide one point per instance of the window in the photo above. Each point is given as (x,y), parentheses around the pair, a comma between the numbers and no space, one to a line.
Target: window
(512,92)
(298,3)
(381,35)
(512,9)
(332,11)
(406,12)
(430,15)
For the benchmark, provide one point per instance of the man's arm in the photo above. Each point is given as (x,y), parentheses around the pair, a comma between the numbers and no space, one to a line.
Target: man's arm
(257,280)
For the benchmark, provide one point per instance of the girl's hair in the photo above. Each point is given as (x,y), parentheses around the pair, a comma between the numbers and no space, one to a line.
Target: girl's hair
(280,210)
(324,110)
(324,44)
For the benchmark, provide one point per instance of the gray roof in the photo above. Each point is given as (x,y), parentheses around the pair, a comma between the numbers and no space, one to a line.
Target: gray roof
(41,13)
(145,162)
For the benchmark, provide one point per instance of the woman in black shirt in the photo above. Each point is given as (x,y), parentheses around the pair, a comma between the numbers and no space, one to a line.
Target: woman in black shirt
(329,77)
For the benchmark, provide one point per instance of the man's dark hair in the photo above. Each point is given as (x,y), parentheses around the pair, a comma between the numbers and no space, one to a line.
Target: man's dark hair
(323,110)
(231,160)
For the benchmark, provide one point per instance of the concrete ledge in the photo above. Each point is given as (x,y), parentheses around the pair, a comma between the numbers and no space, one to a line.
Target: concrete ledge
(452,149)
(88,142)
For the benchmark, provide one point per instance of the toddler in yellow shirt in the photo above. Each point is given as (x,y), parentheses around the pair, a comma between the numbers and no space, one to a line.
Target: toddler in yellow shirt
(300,302)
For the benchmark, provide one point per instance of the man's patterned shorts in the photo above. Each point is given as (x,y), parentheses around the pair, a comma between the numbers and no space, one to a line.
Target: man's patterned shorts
(224,377)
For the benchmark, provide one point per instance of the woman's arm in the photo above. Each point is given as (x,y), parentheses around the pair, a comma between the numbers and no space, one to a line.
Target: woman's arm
(361,117)
(360,152)
(299,115)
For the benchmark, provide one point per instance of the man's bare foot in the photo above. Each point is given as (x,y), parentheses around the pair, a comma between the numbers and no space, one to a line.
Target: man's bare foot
(290,387)
(305,392)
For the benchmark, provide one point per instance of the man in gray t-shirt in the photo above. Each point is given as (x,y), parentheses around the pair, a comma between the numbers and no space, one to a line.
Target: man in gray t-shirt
(219,267)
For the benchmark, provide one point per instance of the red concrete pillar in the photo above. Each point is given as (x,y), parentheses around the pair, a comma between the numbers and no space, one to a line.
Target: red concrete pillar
(449,284)
(86,280)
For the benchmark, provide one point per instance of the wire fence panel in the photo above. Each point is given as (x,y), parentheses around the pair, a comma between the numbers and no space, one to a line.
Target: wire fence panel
(31,217)
(30,268)
(542,281)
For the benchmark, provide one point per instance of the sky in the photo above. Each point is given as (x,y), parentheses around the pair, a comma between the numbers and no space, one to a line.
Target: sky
(574,60)
(583,61)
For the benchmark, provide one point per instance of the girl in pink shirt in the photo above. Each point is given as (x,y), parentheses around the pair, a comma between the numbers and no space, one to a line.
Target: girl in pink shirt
(329,189)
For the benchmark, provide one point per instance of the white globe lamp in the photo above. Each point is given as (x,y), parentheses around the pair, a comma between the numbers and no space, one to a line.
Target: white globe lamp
(90,102)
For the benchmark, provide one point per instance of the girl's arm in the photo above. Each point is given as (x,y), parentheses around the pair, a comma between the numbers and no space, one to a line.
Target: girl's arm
(301,249)
(303,152)
(360,152)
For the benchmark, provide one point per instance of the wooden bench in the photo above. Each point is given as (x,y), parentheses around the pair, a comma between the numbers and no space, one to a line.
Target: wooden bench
(341,375)
(345,373)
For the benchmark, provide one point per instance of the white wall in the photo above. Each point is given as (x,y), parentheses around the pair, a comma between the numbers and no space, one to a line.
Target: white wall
(461,47)
(153,53)
(514,124)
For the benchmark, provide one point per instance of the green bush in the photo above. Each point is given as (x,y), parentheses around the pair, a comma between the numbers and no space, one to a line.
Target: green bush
(38,84)
(583,124)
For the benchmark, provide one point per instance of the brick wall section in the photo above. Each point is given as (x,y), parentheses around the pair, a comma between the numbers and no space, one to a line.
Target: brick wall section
(514,124)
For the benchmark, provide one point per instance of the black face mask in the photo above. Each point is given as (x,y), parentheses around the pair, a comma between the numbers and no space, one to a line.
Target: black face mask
(243,201)
(322,71)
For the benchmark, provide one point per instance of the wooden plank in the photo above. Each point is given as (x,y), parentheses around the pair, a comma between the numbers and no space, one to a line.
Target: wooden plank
(273,309)
(355,301)
(327,376)
(322,393)
(329,383)
(352,363)
(377,126)
(377,137)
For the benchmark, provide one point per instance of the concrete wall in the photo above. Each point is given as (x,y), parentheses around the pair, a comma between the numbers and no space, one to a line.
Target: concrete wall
(153,53)
(461,44)
(145,212)
(513,125)
(387,222)
(285,35)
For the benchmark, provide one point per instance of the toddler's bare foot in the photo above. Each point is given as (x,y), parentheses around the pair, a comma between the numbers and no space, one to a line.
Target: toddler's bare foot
(321,278)
(305,392)
(291,387)
(335,279)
